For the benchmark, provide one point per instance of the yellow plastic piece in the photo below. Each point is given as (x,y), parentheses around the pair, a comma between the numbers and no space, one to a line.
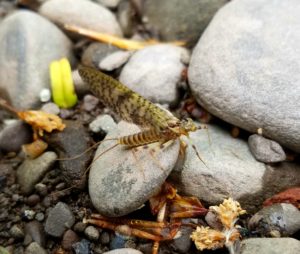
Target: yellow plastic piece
(63,92)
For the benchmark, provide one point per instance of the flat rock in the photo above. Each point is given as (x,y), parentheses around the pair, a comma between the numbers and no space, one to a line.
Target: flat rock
(59,220)
(123,251)
(265,150)
(115,60)
(10,142)
(122,180)
(180,20)
(25,55)
(279,219)
(230,171)
(245,64)
(30,172)
(81,13)
(270,246)
(155,72)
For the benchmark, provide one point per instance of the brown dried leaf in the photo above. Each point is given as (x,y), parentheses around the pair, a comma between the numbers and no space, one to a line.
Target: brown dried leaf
(291,196)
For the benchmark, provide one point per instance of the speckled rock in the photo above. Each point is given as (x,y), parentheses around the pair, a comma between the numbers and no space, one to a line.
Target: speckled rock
(22,39)
(230,171)
(31,172)
(10,142)
(277,220)
(244,73)
(115,60)
(155,72)
(270,246)
(265,150)
(121,180)
(123,251)
(180,20)
(59,220)
(81,13)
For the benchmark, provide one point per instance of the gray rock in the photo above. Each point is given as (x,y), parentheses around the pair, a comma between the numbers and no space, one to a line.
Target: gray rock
(109,3)
(31,172)
(115,60)
(92,233)
(181,20)
(121,180)
(270,246)
(96,52)
(51,108)
(244,73)
(90,102)
(155,72)
(81,13)
(35,231)
(16,232)
(82,247)
(73,141)
(265,150)
(103,123)
(26,55)
(183,243)
(231,171)
(10,142)
(126,17)
(123,251)
(35,248)
(59,220)
(276,220)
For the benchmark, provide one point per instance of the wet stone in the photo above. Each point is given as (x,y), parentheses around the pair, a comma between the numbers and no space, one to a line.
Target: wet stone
(121,180)
(102,123)
(59,219)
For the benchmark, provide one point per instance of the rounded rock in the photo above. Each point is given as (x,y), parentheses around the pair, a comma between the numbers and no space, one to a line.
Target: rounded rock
(265,150)
(69,238)
(278,219)
(59,220)
(35,248)
(22,36)
(123,251)
(81,13)
(115,60)
(155,72)
(16,232)
(121,180)
(92,233)
(243,73)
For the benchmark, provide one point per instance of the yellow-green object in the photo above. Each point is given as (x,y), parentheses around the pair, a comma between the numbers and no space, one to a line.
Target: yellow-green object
(63,91)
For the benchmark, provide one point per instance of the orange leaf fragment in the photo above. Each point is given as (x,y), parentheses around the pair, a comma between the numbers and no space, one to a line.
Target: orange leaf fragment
(291,196)
(41,121)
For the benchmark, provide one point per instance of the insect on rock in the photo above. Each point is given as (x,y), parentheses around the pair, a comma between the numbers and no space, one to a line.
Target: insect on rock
(160,130)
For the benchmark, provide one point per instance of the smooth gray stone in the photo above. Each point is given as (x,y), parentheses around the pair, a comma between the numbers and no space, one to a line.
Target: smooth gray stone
(122,180)
(245,68)
(155,72)
(25,54)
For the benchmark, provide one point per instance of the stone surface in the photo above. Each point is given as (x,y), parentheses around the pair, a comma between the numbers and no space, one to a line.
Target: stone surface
(155,72)
(121,180)
(180,20)
(81,13)
(109,3)
(115,60)
(16,232)
(276,220)
(73,141)
(123,251)
(265,150)
(103,123)
(245,64)
(35,248)
(270,246)
(59,220)
(92,233)
(230,171)
(35,231)
(10,142)
(69,238)
(25,55)
(82,247)
(31,172)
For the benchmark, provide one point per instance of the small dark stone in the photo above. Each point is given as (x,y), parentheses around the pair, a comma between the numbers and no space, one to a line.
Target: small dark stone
(104,238)
(33,199)
(82,247)
(69,238)
(16,232)
(40,216)
(41,189)
(80,227)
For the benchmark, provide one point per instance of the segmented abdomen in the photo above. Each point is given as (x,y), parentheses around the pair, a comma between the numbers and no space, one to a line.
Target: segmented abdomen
(141,138)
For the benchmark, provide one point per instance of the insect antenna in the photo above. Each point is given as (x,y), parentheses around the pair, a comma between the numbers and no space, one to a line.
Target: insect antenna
(197,152)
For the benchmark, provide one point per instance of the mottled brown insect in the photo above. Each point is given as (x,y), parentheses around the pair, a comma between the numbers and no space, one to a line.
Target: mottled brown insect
(161,125)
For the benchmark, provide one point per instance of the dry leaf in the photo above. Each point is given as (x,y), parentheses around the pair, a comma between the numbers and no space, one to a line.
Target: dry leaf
(291,196)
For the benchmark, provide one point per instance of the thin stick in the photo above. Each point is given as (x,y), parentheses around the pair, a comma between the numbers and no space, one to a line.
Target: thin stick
(6,106)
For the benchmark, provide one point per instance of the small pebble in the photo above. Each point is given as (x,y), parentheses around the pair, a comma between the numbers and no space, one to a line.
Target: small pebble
(60,186)
(103,123)
(90,102)
(82,247)
(80,227)
(45,95)
(41,189)
(33,199)
(16,232)
(104,238)
(51,108)
(35,248)
(69,238)
(92,233)
(16,197)
(40,216)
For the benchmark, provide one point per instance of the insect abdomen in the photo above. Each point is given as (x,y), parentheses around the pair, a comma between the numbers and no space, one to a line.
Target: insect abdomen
(141,138)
